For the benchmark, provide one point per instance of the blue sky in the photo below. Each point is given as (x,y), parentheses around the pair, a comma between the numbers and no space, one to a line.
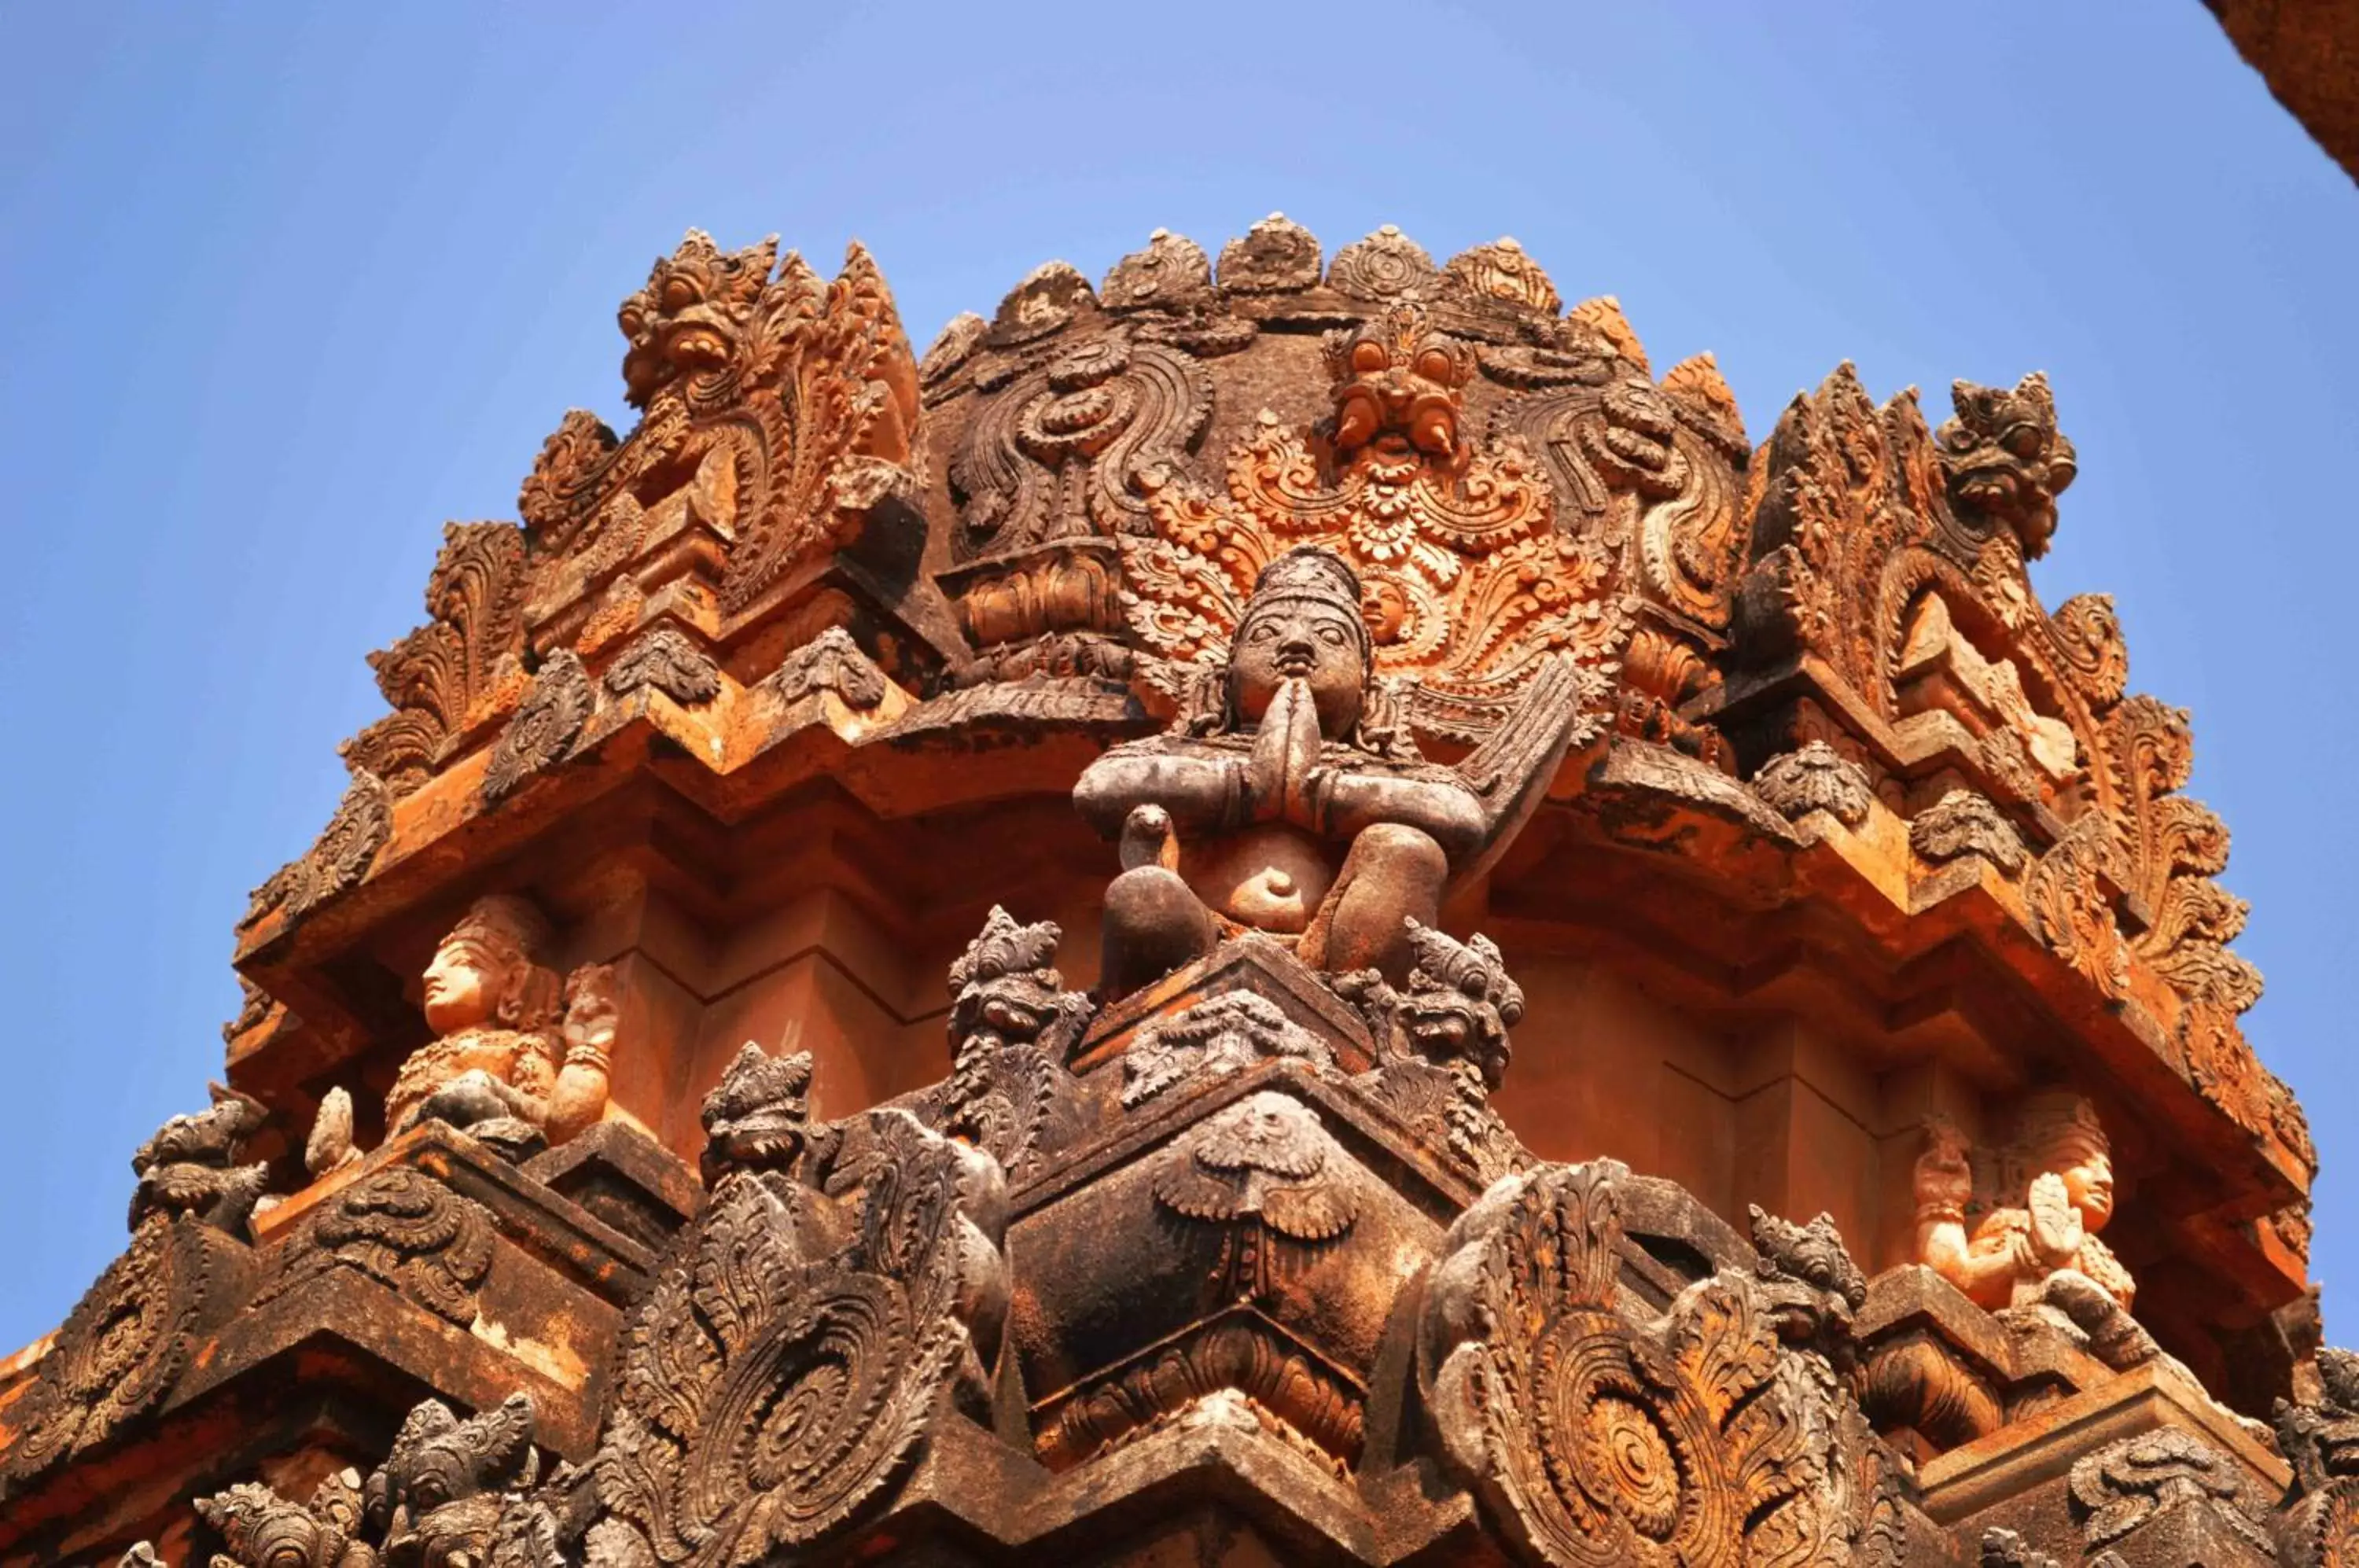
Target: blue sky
(286,289)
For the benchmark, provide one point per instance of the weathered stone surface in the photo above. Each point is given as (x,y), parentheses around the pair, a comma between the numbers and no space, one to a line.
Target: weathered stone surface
(681,1212)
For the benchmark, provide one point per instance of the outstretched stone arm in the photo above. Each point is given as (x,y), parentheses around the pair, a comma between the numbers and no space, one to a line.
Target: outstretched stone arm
(1199,792)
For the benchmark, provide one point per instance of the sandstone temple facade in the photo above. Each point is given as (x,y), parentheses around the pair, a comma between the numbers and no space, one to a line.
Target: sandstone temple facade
(1286,909)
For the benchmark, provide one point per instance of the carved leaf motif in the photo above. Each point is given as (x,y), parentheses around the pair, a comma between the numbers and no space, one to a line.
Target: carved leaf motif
(1595,1439)
(119,1353)
(404,1228)
(768,1394)
(667,660)
(546,724)
(847,389)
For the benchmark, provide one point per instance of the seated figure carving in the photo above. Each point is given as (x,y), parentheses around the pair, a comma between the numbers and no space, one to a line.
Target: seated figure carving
(519,1061)
(2039,1250)
(1290,801)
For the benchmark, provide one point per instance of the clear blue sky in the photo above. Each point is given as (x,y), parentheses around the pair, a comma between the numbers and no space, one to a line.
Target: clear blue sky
(286,289)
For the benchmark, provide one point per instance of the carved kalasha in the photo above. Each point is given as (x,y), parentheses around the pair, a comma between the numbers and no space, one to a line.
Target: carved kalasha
(519,1061)
(1594,1435)
(1012,1025)
(777,1385)
(1294,800)
(403,1228)
(190,1167)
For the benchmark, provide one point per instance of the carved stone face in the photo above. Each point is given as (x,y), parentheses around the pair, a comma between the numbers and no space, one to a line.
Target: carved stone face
(2089,1182)
(690,319)
(1397,385)
(466,984)
(1306,639)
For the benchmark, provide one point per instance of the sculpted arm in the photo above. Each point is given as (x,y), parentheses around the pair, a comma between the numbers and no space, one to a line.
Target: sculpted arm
(578,1098)
(1345,802)
(1199,792)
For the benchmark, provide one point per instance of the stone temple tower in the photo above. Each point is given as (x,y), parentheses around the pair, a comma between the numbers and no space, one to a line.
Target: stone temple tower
(1287,910)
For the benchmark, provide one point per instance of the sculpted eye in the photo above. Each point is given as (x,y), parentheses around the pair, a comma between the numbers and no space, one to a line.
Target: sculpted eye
(1265,630)
(1332,636)
(1369,357)
(1434,364)
(679,294)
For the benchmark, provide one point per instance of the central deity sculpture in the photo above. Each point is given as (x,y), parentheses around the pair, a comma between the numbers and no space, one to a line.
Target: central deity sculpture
(1290,800)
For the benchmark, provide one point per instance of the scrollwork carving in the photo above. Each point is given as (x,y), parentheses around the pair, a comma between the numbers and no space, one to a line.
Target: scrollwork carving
(337,861)
(1815,779)
(1214,1039)
(668,661)
(1595,1437)
(2126,1486)
(457,670)
(404,1229)
(545,725)
(1055,455)
(122,1349)
(1963,823)
(772,1389)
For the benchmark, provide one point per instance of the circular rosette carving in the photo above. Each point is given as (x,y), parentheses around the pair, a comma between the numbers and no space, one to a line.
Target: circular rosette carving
(1597,1440)
(769,1398)
(121,1350)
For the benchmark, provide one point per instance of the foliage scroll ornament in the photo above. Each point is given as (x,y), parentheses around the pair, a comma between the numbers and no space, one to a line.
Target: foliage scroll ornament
(1469,581)
(773,1389)
(402,1227)
(337,861)
(124,1347)
(1595,1438)
(546,724)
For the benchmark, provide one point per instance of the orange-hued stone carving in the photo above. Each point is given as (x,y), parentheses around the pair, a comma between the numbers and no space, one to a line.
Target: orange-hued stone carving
(1289,800)
(1043,1093)
(518,1059)
(2038,1248)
